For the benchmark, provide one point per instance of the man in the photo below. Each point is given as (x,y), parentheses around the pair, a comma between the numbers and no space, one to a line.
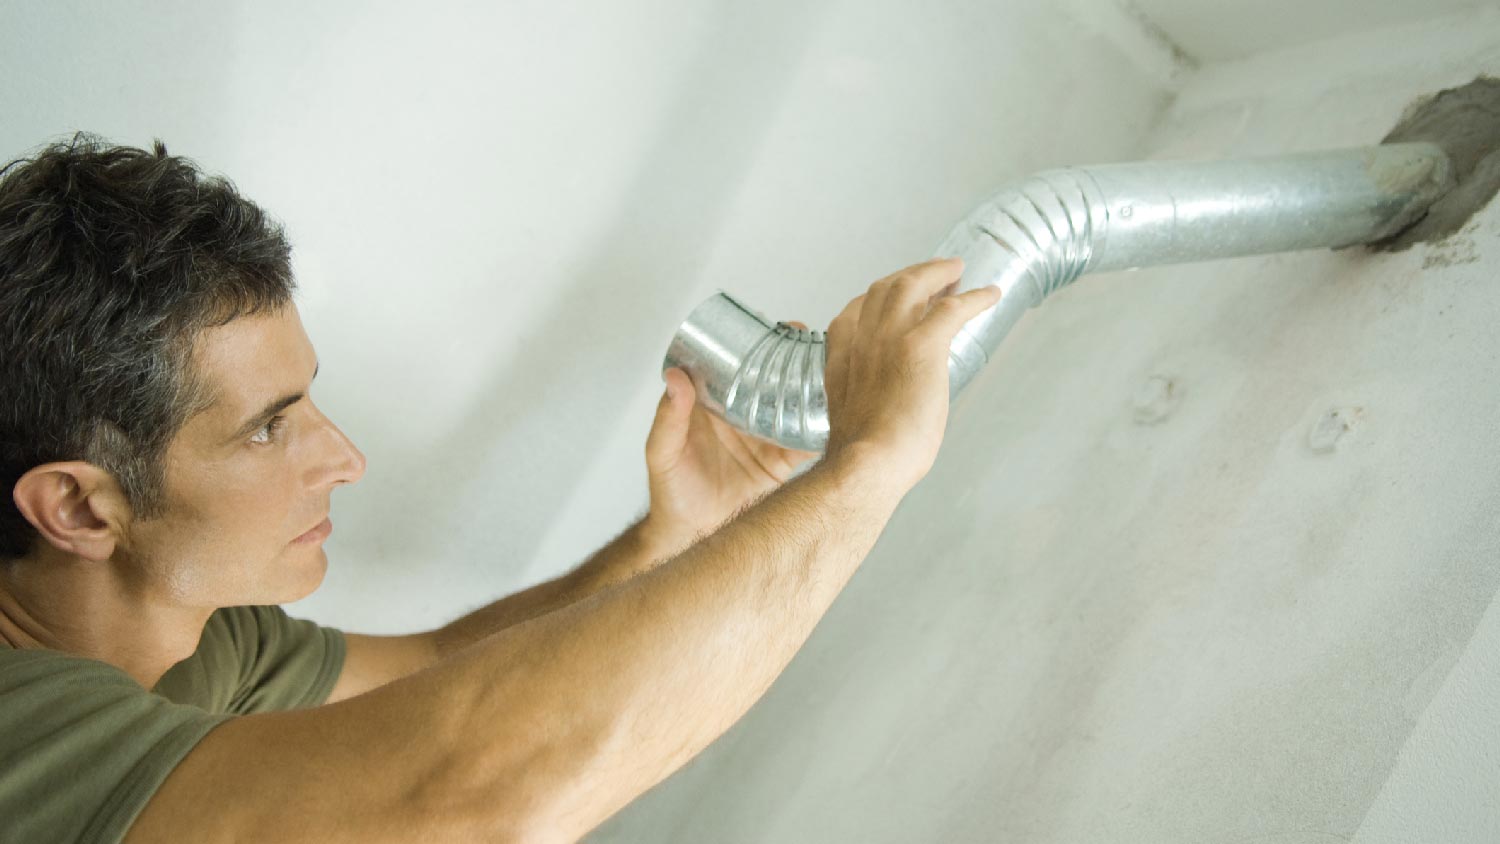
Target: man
(170,481)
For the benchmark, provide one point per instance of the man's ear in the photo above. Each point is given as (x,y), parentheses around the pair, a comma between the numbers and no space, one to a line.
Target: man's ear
(76,506)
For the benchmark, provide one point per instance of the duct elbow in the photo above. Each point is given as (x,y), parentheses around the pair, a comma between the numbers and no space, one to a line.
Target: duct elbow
(763,378)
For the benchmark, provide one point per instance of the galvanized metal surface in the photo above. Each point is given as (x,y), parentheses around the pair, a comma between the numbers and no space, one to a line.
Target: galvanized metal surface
(1034,238)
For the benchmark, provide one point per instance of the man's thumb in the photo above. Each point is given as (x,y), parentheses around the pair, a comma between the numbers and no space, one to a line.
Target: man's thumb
(673,413)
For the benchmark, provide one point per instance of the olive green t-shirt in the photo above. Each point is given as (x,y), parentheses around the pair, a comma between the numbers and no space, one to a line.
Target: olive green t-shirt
(83,747)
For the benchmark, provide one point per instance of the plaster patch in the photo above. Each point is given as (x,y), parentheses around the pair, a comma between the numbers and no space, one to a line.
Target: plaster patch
(1458,249)
(1465,122)
(1331,427)
(1155,399)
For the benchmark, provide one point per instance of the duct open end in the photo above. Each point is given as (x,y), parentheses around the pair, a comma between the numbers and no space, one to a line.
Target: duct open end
(758,375)
(1034,238)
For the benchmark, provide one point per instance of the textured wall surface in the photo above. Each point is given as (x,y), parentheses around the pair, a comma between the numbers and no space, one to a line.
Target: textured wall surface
(1215,30)
(1210,554)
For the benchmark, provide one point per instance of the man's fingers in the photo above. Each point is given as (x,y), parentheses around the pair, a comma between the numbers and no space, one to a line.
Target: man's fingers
(918,310)
(836,347)
(949,314)
(873,308)
(670,429)
(848,318)
(917,286)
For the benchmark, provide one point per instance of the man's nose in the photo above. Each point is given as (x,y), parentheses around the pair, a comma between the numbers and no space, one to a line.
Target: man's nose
(345,463)
(351,465)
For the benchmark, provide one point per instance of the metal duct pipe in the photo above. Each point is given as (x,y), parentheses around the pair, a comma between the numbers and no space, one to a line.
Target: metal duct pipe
(1037,236)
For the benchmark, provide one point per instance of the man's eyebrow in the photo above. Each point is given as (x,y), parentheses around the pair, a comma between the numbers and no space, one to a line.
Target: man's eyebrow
(255,422)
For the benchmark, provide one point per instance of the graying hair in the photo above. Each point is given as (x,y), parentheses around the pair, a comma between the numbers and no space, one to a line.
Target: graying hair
(113,261)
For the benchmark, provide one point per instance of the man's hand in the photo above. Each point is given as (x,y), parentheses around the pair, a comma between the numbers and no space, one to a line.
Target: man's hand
(887,374)
(701,470)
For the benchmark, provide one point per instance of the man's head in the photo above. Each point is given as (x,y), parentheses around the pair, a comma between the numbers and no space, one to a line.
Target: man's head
(146,322)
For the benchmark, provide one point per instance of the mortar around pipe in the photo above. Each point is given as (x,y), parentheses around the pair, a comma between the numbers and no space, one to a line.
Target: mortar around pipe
(1465,123)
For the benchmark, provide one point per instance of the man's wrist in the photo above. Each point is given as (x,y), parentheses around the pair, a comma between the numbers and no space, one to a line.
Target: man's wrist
(861,472)
(657,540)
(864,473)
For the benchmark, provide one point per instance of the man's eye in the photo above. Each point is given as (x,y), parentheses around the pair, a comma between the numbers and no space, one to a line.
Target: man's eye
(270,431)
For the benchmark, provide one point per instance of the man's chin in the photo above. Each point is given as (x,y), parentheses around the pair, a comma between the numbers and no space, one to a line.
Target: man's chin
(309,569)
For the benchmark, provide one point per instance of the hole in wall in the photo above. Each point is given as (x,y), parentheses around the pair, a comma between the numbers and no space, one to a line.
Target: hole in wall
(1465,122)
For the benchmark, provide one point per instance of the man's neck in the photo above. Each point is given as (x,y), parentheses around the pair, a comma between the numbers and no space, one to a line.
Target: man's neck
(77,606)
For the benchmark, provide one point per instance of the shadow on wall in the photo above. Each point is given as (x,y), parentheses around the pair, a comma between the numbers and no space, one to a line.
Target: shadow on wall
(644,268)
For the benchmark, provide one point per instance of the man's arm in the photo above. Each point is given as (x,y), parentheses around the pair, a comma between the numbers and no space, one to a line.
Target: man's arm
(700,472)
(373,661)
(544,729)
(636,550)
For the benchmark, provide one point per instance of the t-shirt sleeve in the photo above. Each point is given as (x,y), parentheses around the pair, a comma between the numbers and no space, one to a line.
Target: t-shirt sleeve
(284,662)
(257,659)
(84,747)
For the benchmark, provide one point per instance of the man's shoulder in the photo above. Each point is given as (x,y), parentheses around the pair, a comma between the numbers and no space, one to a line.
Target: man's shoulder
(215,673)
(256,658)
(85,745)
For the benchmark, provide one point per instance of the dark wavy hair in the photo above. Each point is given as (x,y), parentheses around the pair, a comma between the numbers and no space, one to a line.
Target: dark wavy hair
(113,260)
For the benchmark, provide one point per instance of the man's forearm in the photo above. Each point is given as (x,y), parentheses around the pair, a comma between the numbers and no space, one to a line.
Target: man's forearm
(573,714)
(542,730)
(638,548)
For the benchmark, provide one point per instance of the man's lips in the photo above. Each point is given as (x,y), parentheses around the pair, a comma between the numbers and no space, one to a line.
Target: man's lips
(318,533)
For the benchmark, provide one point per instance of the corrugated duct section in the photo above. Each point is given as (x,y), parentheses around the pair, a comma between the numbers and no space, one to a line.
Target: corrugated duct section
(1040,235)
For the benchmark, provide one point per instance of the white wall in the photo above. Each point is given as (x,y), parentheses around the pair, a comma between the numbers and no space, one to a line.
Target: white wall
(500,213)
(1081,627)
(1106,618)
(899,119)
(495,212)
(1215,30)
